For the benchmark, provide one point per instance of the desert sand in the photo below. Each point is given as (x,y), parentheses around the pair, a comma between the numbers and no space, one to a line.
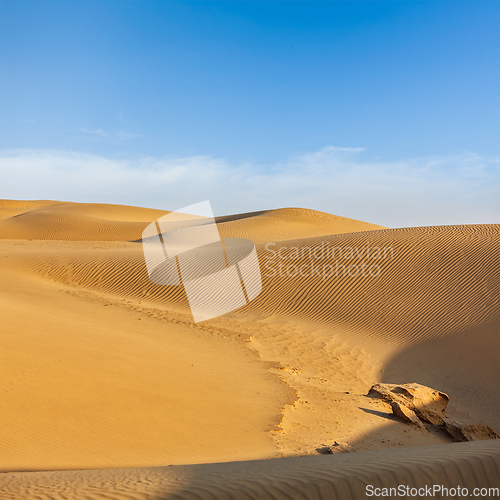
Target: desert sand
(110,390)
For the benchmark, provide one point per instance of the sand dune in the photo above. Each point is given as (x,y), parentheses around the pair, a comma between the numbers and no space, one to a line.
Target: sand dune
(103,368)
(87,384)
(52,220)
(288,223)
(73,221)
(470,465)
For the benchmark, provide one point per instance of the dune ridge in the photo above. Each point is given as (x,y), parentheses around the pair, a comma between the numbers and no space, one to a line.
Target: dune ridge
(53,220)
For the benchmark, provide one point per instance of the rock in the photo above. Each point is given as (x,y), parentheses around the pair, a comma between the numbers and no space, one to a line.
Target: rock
(324,450)
(342,448)
(428,405)
(414,403)
(406,415)
(335,448)
(469,432)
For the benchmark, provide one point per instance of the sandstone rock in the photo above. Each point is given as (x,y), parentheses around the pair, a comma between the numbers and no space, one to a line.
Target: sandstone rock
(406,415)
(324,450)
(414,403)
(469,432)
(429,405)
(342,448)
(335,448)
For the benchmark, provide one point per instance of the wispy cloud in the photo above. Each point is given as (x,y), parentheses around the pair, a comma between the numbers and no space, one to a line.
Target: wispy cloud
(99,133)
(452,189)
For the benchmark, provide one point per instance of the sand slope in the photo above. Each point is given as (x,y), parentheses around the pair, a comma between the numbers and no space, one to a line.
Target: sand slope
(102,368)
(86,384)
(341,477)
(437,295)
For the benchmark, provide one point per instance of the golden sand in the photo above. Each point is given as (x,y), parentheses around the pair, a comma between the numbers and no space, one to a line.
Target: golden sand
(102,369)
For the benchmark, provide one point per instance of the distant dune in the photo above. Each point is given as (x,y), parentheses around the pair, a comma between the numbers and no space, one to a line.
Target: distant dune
(103,369)
(54,220)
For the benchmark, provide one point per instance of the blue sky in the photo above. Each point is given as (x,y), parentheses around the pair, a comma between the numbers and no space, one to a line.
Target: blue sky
(323,101)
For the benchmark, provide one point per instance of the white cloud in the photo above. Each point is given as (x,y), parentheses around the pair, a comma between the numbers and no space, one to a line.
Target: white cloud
(99,133)
(453,189)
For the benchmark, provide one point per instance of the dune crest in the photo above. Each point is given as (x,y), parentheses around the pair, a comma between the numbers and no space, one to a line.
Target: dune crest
(54,220)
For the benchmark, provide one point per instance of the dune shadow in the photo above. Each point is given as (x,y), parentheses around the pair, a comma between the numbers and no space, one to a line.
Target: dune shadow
(465,365)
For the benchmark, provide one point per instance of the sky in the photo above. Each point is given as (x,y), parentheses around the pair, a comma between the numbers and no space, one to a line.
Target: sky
(387,112)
